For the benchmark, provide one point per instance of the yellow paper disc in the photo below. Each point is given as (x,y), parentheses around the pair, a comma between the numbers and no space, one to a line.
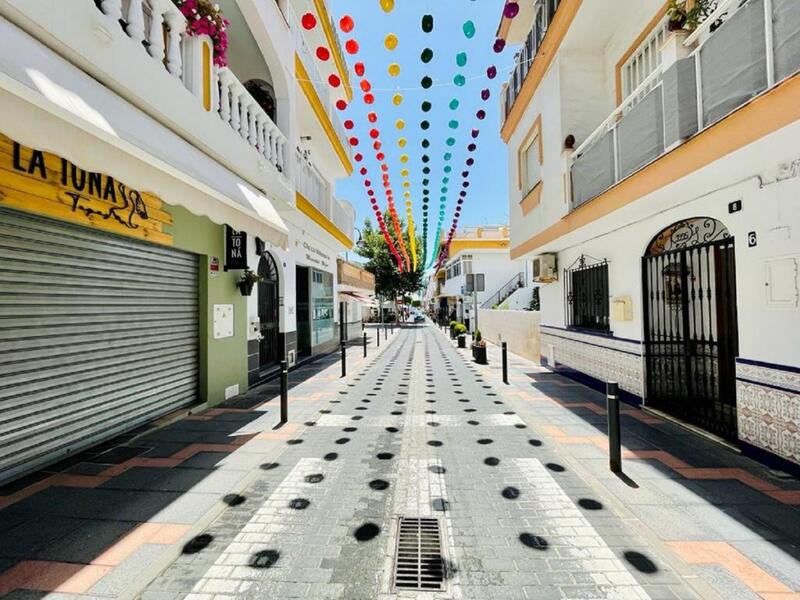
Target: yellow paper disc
(397,99)
(406,184)
(394,69)
(404,172)
(390,41)
(387,5)
(401,142)
(404,158)
(400,124)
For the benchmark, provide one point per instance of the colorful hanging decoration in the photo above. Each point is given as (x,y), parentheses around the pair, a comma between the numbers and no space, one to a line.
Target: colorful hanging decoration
(394,70)
(387,5)
(390,41)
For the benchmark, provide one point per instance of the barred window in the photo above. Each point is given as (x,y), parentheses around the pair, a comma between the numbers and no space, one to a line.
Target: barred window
(587,304)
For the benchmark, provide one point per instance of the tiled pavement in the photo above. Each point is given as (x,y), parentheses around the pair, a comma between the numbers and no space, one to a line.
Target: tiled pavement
(223,506)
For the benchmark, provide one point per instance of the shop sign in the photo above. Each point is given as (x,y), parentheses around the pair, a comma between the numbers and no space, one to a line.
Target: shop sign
(46,184)
(316,256)
(235,249)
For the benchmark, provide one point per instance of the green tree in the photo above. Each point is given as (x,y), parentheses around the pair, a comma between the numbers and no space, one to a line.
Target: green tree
(389,282)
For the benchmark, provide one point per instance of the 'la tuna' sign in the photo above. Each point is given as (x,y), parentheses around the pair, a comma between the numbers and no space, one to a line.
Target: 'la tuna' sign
(40,182)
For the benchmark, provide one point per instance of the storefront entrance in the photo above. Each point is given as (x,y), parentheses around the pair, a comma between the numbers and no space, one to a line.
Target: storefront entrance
(302,291)
(690,324)
(269,346)
(99,335)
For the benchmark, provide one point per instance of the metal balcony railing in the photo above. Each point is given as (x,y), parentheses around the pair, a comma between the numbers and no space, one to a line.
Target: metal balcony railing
(545,10)
(739,51)
(501,295)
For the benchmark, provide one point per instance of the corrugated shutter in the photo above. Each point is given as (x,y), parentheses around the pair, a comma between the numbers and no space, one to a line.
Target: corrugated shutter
(98,334)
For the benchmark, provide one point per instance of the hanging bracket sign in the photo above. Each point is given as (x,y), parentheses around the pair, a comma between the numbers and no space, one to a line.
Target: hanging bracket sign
(235,249)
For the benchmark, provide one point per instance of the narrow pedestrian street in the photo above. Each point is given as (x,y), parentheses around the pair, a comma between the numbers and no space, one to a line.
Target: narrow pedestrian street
(510,481)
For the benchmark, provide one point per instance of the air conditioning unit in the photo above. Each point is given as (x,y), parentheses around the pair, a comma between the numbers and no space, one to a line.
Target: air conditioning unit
(544,268)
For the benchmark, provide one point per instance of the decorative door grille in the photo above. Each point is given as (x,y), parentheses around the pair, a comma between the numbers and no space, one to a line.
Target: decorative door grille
(586,290)
(691,338)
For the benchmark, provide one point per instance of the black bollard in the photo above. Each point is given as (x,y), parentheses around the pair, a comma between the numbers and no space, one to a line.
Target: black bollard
(344,359)
(385,330)
(612,410)
(365,344)
(284,392)
(391,325)
(505,363)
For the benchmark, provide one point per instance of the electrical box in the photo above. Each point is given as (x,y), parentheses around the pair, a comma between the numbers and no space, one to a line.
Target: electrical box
(782,282)
(622,308)
(545,268)
(223,321)
(254,330)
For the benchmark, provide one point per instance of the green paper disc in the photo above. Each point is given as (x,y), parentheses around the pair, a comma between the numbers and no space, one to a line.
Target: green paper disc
(459,80)
(454,104)
(469,29)
(461,59)
(426,82)
(427,23)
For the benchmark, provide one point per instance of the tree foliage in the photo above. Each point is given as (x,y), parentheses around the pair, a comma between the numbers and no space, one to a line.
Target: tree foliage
(389,282)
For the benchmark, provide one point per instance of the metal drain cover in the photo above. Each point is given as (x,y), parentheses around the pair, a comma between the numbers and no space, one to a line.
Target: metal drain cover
(418,561)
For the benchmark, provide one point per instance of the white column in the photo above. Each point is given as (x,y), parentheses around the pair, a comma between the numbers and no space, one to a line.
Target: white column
(112,8)
(135,20)
(253,110)
(268,133)
(155,37)
(244,97)
(236,114)
(260,133)
(281,145)
(177,25)
(225,95)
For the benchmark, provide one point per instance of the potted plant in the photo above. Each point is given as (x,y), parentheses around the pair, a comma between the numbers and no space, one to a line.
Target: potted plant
(687,14)
(453,329)
(479,349)
(461,334)
(247,281)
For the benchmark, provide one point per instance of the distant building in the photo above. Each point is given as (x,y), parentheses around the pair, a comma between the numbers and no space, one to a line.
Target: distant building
(654,181)
(478,250)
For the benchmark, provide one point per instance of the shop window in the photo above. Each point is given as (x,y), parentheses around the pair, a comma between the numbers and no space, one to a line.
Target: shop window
(586,295)
(322,311)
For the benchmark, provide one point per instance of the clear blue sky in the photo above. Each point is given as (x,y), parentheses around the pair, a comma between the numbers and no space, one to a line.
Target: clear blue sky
(487,201)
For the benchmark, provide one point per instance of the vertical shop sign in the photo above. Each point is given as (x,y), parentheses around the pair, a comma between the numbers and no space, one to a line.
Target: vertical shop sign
(235,249)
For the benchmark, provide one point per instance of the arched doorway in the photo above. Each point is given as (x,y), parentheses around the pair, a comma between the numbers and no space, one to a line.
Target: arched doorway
(264,95)
(690,324)
(269,351)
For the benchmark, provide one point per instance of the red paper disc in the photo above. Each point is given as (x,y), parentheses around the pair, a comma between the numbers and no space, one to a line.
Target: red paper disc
(354,141)
(346,24)
(334,80)
(359,69)
(323,53)
(351,46)
(369,98)
(374,133)
(309,21)
(365,85)
(348,124)
(341,104)
(372,117)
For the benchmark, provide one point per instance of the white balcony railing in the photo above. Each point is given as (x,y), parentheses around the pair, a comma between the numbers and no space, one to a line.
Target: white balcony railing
(740,51)
(317,191)
(159,26)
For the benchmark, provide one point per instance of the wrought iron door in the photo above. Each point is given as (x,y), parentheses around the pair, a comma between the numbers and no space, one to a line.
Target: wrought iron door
(691,338)
(269,351)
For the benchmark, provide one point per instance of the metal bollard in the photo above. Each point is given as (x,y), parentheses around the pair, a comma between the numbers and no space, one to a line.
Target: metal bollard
(612,410)
(391,325)
(344,359)
(284,392)
(505,363)
(365,344)
(385,330)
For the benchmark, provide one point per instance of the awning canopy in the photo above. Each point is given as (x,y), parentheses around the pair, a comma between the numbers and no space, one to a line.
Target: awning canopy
(49,104)
(360,297)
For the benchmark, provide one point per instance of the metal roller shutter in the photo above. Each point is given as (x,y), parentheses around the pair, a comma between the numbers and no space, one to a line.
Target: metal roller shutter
(98,334)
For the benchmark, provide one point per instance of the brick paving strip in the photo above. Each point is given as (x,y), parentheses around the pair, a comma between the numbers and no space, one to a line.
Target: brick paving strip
(414,436)
(726,524)
(517,476)
(105,530)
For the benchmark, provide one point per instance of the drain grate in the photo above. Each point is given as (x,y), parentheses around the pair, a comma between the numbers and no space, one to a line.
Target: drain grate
(418,563)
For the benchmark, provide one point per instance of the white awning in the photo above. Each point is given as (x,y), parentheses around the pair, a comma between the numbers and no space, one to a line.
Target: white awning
(49,104)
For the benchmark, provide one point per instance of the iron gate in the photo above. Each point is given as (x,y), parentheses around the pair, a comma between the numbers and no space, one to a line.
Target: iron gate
(691,339)
(269,353)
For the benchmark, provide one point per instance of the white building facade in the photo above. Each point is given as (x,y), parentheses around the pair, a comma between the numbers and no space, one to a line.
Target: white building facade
(478,251)
(141,178)
(659,171)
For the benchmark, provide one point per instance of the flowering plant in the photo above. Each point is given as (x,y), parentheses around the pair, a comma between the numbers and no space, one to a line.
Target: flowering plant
(204,18)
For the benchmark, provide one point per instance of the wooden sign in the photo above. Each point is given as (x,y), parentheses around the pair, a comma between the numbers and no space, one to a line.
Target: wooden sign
(49,185)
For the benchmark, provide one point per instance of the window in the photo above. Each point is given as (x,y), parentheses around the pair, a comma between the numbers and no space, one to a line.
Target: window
(466,261)
(533,170)
(530,159)
(587,299)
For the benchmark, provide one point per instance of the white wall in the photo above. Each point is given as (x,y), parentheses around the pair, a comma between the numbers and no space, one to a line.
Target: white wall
(496,265)
(518,328)
(770,209)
